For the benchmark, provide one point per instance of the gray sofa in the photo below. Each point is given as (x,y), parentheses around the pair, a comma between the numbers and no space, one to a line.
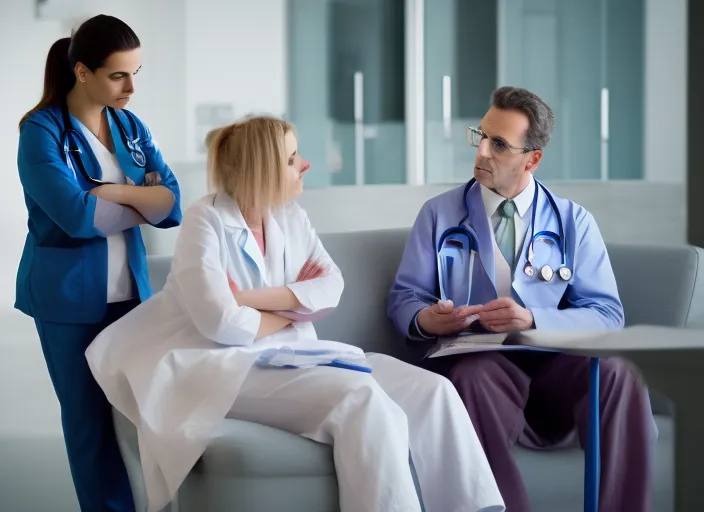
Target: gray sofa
(262,469)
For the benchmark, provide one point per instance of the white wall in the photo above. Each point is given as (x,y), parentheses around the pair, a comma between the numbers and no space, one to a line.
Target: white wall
(626,211)
(665,107)
(235,54)
(161,83)
(21,89)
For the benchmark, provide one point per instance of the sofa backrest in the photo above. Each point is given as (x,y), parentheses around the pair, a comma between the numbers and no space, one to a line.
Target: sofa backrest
(660,285)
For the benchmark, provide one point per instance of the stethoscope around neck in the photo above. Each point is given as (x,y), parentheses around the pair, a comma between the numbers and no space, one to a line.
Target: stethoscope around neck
(460,242)
(69,143)
(546,272)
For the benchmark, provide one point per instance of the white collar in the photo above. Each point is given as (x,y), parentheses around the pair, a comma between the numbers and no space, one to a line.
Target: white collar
(492,200)
(229,211)
(232,217)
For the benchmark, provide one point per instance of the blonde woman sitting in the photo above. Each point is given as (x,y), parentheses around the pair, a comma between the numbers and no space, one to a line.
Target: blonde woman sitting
(248,275)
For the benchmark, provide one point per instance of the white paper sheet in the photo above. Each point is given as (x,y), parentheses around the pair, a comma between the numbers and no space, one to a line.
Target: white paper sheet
(471,343)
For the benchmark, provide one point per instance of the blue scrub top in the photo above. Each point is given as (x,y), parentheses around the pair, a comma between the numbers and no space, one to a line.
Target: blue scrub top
(62,276)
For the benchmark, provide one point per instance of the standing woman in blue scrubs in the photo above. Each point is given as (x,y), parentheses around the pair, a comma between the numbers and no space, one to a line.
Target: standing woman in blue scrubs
(91,175)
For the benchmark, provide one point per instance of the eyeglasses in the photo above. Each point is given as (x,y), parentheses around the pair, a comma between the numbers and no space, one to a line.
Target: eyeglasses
(498,145)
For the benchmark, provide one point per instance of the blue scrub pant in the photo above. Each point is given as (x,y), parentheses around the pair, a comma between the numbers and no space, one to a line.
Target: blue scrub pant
(97,468)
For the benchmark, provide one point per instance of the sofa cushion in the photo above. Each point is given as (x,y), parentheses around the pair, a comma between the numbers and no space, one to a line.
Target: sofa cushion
(368,261)
(248,449)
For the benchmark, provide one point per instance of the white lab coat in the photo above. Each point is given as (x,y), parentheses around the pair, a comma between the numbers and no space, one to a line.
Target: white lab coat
(175,366)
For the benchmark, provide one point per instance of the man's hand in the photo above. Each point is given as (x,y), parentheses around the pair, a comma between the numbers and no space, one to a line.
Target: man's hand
(311,270)
(505,315)
(442,318)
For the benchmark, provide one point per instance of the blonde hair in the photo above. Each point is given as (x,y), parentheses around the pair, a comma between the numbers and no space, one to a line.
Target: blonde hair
(247,161)
(210,136)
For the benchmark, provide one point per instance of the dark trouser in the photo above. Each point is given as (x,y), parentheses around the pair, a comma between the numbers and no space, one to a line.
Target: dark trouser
(98,471)
(541,398)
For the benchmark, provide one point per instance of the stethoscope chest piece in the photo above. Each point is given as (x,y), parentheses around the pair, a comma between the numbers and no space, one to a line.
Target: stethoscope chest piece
(546,273)
(565,273)
(529,270)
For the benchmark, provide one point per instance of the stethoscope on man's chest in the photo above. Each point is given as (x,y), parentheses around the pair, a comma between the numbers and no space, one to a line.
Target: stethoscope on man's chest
(458,245)
(69,144)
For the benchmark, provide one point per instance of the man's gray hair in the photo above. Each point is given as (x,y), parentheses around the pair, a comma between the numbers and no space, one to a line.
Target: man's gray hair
(540,116)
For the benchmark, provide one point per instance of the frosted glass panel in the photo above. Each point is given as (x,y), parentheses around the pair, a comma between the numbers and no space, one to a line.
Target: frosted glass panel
(567,52)
(352,129)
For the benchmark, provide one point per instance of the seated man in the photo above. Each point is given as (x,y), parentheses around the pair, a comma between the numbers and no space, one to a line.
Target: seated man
(540,262)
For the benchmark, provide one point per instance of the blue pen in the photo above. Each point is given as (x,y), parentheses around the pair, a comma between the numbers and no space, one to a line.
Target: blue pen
(337,363)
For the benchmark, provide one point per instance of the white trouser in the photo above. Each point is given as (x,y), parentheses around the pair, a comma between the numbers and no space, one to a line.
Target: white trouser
(371,420)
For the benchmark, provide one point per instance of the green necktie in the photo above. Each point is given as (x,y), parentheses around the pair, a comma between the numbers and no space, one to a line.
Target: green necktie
(505,231)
